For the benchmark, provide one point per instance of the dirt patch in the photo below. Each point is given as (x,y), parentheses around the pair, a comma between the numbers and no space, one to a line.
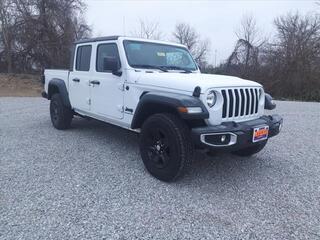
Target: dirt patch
(20,85)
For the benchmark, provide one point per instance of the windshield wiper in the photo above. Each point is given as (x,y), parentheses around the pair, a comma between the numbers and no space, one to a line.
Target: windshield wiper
(150,67)
(177,68)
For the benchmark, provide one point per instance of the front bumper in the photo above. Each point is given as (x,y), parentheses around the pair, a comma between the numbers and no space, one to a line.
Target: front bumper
(237,135)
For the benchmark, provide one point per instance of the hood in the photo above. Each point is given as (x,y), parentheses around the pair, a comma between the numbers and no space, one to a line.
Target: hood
(187,82)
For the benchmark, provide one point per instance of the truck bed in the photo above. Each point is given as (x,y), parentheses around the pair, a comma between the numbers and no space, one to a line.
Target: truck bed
(62,74)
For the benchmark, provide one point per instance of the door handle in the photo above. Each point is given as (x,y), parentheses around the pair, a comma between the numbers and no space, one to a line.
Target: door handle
(96,82)
(76,80)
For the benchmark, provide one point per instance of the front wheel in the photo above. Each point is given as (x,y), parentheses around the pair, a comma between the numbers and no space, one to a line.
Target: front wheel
(250,150)
(165,146)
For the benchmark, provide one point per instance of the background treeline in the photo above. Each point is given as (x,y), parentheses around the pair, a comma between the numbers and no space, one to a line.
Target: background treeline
(38,34)
(288,65)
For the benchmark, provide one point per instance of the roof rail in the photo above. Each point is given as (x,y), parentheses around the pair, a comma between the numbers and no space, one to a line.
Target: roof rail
(97,39)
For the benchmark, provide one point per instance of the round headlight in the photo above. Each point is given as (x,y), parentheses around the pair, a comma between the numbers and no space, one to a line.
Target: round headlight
(211,98)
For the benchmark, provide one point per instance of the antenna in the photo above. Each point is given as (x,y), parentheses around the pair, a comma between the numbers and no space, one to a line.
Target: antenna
(124,25)
(215,58)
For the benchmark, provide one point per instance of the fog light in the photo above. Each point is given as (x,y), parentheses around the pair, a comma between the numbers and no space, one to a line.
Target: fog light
(219,139)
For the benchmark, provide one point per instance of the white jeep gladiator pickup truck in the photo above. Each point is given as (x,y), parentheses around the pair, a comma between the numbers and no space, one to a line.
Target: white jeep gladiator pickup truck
(155,88)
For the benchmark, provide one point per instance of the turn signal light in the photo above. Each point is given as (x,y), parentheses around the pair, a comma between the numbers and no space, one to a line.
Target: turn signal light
(190,110)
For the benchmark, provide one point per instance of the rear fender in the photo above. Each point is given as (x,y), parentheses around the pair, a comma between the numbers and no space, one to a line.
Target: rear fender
(58,86)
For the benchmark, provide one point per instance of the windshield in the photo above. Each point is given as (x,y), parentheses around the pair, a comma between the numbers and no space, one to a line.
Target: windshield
(161,56)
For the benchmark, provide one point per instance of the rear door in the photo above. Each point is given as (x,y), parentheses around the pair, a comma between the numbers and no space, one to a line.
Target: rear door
(79,89)
(107,95)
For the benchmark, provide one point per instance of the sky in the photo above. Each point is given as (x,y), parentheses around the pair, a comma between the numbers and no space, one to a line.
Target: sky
(216,21)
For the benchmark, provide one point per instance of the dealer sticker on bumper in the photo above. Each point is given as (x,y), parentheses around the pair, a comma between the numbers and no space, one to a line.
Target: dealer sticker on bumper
(260,133)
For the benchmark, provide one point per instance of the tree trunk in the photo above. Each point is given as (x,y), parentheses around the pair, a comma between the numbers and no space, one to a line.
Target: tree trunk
(9,61)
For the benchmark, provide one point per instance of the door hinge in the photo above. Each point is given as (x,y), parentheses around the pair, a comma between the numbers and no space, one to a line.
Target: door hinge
(120,108)
(89,101)
(121,86)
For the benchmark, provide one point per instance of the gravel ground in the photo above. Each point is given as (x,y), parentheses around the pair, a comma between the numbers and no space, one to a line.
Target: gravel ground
(89,183)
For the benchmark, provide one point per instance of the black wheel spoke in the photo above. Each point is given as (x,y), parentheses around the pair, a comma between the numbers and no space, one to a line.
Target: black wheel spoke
(155,135)
(158,148)
(152,151)
(165,143)
(166,149)
(165,158)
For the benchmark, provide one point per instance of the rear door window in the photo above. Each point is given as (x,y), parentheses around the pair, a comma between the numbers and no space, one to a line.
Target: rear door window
(83,58)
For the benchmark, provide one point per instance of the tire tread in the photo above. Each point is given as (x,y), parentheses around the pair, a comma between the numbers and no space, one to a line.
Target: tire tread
(66,116)
(182,132)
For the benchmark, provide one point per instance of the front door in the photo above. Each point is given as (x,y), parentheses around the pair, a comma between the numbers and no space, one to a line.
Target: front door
(106,88)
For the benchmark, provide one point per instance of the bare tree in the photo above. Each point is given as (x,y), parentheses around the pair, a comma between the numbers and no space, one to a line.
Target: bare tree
(248,30)
(148,30)
(246,52)
(288,66)
(43,31)
(187,35)
(7,19)
(295,56)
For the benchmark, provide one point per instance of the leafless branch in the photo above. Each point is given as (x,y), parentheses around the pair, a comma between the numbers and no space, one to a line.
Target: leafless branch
(148,30)
(187,35)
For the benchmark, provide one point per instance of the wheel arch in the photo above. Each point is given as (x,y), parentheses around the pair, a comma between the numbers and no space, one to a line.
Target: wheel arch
(58,86)
(152,102)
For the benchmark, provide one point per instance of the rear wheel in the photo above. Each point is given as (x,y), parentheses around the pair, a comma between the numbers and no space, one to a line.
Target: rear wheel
(250,150)
(165,146)
(61,116)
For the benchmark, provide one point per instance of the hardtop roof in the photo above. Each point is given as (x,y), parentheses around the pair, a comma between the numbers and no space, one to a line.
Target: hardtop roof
(98,39)
(116,37)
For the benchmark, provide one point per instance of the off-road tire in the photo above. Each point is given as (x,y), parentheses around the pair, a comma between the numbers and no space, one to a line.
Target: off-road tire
(245,152)
(61,116)
(175,153)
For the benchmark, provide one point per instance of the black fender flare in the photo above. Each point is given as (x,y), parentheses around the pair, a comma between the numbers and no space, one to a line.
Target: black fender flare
(59,84)
(150,102)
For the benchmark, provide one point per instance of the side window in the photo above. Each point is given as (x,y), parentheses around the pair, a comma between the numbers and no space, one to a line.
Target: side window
(105,52)
(83,58)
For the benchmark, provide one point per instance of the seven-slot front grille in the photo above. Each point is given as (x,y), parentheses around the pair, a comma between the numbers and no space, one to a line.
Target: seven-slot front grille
(240,102)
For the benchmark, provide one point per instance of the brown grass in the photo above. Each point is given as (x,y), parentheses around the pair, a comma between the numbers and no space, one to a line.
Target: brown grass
(20,85)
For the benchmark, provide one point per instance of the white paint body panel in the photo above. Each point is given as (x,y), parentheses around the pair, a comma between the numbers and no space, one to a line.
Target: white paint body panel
(187,82)
(107,97)
(107,101)
(59,74)
(79,92)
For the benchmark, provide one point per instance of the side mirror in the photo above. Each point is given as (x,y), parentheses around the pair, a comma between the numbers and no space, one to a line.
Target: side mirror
(268,102)
(111,64)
